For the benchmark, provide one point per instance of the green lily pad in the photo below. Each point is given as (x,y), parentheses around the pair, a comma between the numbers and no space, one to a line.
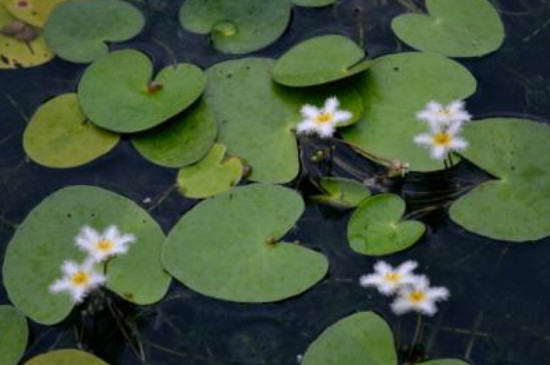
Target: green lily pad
(395,88)
(313,3)
(376,228)
(320,60)
(237,26)
(59,135)
(342,193)
(33,12)
(465,28)
(46,238)
(15,333)
(210,176)
(363,338)
(256,117)
(116,92)
(226,247)
(445,362)
(66,357)
(18,54)
(181,142)
(517,205)
(77,30)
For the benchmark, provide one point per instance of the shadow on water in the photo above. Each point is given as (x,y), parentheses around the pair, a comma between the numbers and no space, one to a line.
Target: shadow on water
(499,313)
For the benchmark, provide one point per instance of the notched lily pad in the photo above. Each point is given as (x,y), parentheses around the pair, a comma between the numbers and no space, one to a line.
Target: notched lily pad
(465,28)
(210,176)
(15,333)
(77,30)
(181,142)
(517,153)
(60,136)
(50,229)
(313,3)
(320,60)
(341,193)
(376,227)
(237,26)
(34,12)
(360,339)
(117,92)
(15,53)
(227,247)
(395,88)
(66,357)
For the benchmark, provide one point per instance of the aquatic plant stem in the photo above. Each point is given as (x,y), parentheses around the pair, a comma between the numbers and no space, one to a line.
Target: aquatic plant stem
(417,335)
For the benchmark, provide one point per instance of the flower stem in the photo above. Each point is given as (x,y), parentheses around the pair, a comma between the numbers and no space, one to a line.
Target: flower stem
(417,335)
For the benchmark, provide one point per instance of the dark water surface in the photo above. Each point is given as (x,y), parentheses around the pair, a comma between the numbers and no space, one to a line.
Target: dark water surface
(499,312)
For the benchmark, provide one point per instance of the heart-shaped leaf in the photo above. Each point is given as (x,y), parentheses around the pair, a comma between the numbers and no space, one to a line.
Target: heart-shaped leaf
(363,338)
(77,30)
(210,176)
(66,357)
(226,247)
(34,12)
(320,60)
(376,227)
(18,54)
(237,26)
(46,238)
(465,28)
(313,3)
(116,92)
(342,193)
(15,333)
(256,116)
(58,135)
(517,152)
(395,88)
(181,142)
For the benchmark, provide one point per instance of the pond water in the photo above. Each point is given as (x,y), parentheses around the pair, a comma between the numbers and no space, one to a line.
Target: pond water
(499,312)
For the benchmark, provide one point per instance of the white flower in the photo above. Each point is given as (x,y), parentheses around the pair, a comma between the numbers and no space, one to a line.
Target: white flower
(388,279)
(101,246)
(78,280)
(419,298)
(439,114)
(324,121)
(442,141)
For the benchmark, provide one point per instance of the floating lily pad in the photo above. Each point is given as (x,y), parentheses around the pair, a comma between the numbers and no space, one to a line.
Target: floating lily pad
(19,54)
(117,93)
(210,176)
(445,362)
(256,117)
(395,88)
(66,357)
(342,193)
(516,206)
(46,238)
(34,12)
(237,26)
(77,30)
(320,60)
(361,339)
(181,142)
(15,333)
(376,227)
(59,135)
(227,247)
(313,3)
(465,28)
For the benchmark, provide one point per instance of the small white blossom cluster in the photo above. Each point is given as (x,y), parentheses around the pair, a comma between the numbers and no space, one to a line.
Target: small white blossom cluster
(412,292)
(79,279)
(445,124)
(323,121)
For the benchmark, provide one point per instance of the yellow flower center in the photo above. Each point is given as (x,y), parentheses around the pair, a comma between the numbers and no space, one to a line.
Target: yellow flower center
(81,278)
(442,139)
(105,245)
(324,118)
(392,277)
(417,296)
